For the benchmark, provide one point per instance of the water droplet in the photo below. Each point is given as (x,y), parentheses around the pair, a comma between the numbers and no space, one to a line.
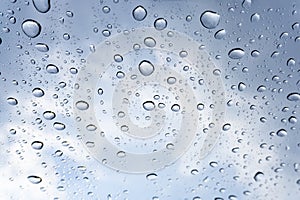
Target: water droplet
(258,176)
(200,106)
(236,53)
(34,179)
(213,164)
(100,91)
(246,4)
(59,126)
(66,36)
(261,88)
(291,62)
(31,28)
(194,171)
(281,133)
(49,115)
(210,19)
(120,74)
(42,47)
(242,86)
(220,34)
(149,42)
(148,105)
(12,101)
(160,24)
(175,107)
(255,17)
(121,154)
(118,58)
(91,127)
(139,13)
(151,176)
(37,145)
(183,54)
(293,120)
(82,105)
(255,53)
(146,68)
(106,9)
(106,33)
(52,69)
(38,92)
(42,6)
(293,96)
(226,127)
(171,80)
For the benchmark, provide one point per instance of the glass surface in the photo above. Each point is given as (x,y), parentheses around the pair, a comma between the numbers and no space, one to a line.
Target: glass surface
(154,100)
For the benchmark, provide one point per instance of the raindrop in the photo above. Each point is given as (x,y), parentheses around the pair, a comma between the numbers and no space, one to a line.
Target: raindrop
(59,126)
(42,47)
(291,62)
(139,13)
(210,19)
(149,105)
(12,101)
(49,115)
(171,80)
(160,24)
(82,105)
(37,145)
(151,176)
(241,86)
(236,53)
(293,120)
(121,154)
(120,74)
(194,171)
(255,53)
(261,88)
(118,58)
(293,96)
(200,106)
(281,133)
(31,28)
(183,54)
(100,91)
(258,176)
(220,34)
(226,127)
(246,4)
(146,68)
(175,108)
(91,127)
(149,42)
(66,36)
(52,69)
(42,6)
(38,92)
(213,164)
(34,179)
(255,17)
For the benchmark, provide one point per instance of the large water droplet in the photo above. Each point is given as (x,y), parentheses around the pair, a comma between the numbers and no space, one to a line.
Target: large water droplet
(34,179)
(151,176)
(210,19)
(261,88)
(160,24)
(52,69)
(294,96)
(42,6)
(146,68)
(31,28)
(82,105)
(12,101)
(246,4)
(291,62)
(37,145)
(59,126)
(139,13)
(255,17)
(148,105)
(236,53)
(49,115)
(281,133)
(258,176)
(38,92)
(242,86)
(42,47)
(175,107)
(149,42)
(220,34)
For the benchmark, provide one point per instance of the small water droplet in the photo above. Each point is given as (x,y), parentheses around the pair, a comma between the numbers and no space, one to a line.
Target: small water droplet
(258,176)
(34,179)
(200,106)
(42,47)
(293,120)
(281,133)
(121,154)
(291,62)
(213,164)
(210,19)
(37,145)
(12,101)
(38,92)
(149,42)
(139,13)
(118,58)
(160,24)
(175,107)
(31,28)
(146,68)
(82,105)
(151,176)
(255,53)
(242,86)
(171,80)
(120,74)
(255,17)
(49,115)
(42,6)
(52,69)
(91,127)
(226,127)
(149,105)
(194,171)
(100,91)
(294,96)
(220,34)
(236,53)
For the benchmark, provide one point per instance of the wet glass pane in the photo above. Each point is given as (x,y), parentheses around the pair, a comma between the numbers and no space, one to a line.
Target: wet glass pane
(154,100)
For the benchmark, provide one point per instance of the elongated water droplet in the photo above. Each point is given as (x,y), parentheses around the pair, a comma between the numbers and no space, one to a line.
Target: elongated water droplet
(59,126)
(42,47)
(34,179)
(49,115)
(31,28)
(210,19)
(236,53)
(82,105)
(139,13)
(12,101)
(261,88)
(42,6)
(151,176)
(281,133)
(146,68)
(37,145)
(52,69)
(148,105)
(294,96)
